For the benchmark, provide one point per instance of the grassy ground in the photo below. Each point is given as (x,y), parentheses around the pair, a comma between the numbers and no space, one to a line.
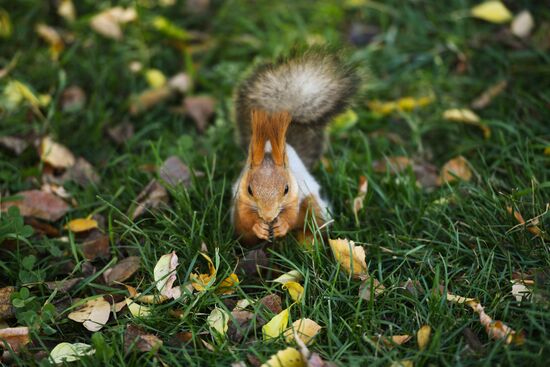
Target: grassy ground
(457,236)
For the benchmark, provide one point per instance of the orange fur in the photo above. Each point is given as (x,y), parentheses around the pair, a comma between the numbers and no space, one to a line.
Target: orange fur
(268,127)
(260,120)
(277,127)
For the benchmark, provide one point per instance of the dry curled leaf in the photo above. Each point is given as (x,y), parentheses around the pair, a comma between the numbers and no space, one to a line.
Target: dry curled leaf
(135,336)
(290,276)
(218,320)
(456,169)
(14,144)
(200,109)
(16,337)
(469,117)
(350,257)
(289,357)
(531,224)
(165,275)
(306,329)
(227,286)
(64,285)
(51,36)
(38,204)
(73,99)
(152,197)
(201,281)
(520,291)
(6,309)
(392,164)
(81,225)
(107,23)
(136,309)
(67,352)
(272,302)
(121,132)
(180,82)
(95,245)
(523,24)
(489,94)
(122,271)
(149,98)
(365,289)
(174,172)
(423,336)
(55,154)
(392,341)
(295,290)
(361,194)
(93,315)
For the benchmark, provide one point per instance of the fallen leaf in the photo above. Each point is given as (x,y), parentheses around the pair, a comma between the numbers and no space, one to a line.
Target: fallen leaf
(360,198)
(520,291)
(38,204)
(390,342)
(295,290)
(174,172)
(200,109)
(350,257)
(456,169)
(66,9)
(107,23)
(306,329)
(392,164)
(136,309)
(16,337)
(93,315)
(135,336)
(365,289)
(403,104)
(239,325)
(276,325)
(201,281)
(459,299)
(402,363)
(55,154)
(290,276)
(14,144)
(488,95)
(165,275)
(423,337)
(121,133)
(227,286)
(218,320)
(64,285)
(73,99)
(180,82)
(468,117)
(52,37)
(82,173)
(289,357)
(531,225)
(492,11)
(272,302)
(152,197)
(95,245)
(155,78)
(6,309)
(149,98)
(81,224)
(167,28)
(122,271)
(6,28)
(17,93)
(252,264)
(343,121)
(67,352)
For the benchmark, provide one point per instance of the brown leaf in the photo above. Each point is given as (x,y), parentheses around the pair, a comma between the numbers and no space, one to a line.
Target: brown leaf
(121,132)
(272,302)
(64,285)
(426,174)
(532,223)
(361,194)
(391,341)
(83,173)
(489,94)
(16,337)
(174,172)
(392,164)
(152,197)
(135,336)
(458,167)
(55,154)
(365,289)
(149,98)
(73,99)
(123,270)
(6,309)
(240,324)
(13,144)
(253,264)
(42,227)
(38,204)
(473,341)
(200,109)
(96,245)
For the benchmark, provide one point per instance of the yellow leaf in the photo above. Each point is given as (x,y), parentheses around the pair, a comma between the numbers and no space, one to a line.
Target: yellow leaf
(5,24)
(227,286)
(66,10)
(52,37)
(93,315)
(55,154)
(67,352)
(344,121)
(276,325)
(295,290)
(456,169)
(289,357)
(155,78)
(406,104)
(137,310)
(81,225)
(305,328)
(15,93)
(423,337)
(547,151)
(200,281)
(350,257)
(290,276)
(468,117)
(492,11)
(402,363)
(218,320)
(165,275)
(459,299)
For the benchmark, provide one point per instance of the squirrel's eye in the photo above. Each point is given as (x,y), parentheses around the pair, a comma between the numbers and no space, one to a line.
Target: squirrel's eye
(250,191)
(286,189)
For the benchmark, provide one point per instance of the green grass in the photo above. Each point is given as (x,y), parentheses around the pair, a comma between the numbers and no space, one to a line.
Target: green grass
(466,245)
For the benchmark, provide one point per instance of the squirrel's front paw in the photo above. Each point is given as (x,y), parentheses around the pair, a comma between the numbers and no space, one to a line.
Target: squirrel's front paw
(280,228)
(261,230)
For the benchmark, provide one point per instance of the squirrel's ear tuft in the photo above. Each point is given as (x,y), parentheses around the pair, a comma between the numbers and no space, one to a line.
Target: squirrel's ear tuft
(278,125)
(260,121)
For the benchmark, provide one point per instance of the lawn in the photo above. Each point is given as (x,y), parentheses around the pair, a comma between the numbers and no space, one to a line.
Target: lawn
(424,239)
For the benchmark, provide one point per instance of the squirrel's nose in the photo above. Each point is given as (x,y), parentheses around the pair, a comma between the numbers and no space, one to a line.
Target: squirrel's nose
(269,216)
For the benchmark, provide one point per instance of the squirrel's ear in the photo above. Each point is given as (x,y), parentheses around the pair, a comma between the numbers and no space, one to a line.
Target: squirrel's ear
(278,125)
(259,136)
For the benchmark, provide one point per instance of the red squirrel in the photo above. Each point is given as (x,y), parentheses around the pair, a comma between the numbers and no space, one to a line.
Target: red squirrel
(282,109)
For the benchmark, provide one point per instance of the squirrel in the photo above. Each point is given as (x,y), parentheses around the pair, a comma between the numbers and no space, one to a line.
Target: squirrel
(281,111)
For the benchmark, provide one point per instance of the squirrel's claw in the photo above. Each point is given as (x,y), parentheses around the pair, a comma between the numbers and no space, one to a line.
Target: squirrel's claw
(261,230)
(280,228)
